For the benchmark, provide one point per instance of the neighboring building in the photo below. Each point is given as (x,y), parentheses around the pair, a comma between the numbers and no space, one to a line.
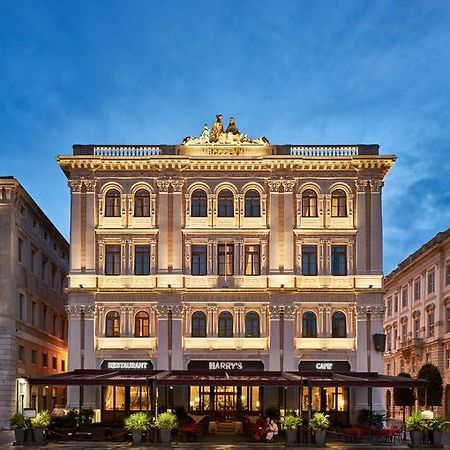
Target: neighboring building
(225,253)
(417,321)
(34,264)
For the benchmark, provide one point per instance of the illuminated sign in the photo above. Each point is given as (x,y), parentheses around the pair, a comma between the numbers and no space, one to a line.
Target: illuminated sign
(324,366)
(127,365)
(336,366)
(225,365)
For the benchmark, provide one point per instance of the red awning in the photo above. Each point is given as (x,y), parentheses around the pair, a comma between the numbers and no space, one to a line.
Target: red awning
(103,377)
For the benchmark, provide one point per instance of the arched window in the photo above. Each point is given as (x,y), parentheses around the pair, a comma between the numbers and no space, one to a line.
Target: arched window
(309,329)
(142,203)
(309,203)
(252,324)
(338,203)
(252,204)
(112,203)
(338,325)
(226,204)
(141,324)
(225,324)
(198,324)
(112,324)
(199,203)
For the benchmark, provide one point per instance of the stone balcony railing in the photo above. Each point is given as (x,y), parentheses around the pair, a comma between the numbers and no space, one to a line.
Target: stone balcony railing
(126,151)
(334,151)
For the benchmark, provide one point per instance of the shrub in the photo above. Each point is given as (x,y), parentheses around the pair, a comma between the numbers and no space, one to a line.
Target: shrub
(42,419)
(415,422)
(19,422)
(290,422)
(137,422)
(319,421)
(436,424)
(166,421)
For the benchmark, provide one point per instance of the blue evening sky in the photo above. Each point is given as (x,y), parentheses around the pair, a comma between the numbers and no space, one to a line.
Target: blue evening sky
(305,72)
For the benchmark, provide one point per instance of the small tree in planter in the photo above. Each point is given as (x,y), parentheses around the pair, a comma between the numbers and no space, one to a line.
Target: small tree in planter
(40,423)
(416,425)
(436,426)
(137,423)
(19,424)
(290,423)
(320,424)
(166,422)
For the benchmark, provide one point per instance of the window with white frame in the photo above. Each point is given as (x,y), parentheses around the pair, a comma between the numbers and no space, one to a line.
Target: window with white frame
(404,331)
(405,296)
(389,306)
(431,281)
(416,326)
(447,274)
(447,316)
(417,286)
(430,323)
(395,302)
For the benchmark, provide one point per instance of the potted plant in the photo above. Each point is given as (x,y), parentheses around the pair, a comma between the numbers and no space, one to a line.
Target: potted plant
(416,425)
(290,423)
(40,422)
(166,422)
(320,424)
(19,424)
(436,425)
(137,423)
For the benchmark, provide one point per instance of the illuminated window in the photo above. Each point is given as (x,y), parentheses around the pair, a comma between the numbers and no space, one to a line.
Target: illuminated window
(142,203)
(252,324)
(252,260)
(198,326)
(142,260)
(112,324)
(309,203)
(252,204)
(199,203)
(225,324)
(198,260)
(338,203)
(112,266)
(141,324)
(339,325)
(309,260)
(226,259)
(112,203)
(338,260)
(309,325)
(226,204)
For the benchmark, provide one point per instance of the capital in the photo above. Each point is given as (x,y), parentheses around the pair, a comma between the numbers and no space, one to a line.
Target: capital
(163,184)
(177,184)
(75,185)
(376,185)
(361,185)
(274,184)
(288,185)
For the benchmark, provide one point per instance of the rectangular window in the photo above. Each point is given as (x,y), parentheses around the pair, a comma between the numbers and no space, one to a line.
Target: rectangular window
(54,272)
(447,313)
(252,260)
(20,250)
(388,341)
(44,359)
(62,281)
(21,307)
(417,289)
(63,366)
(44,318)
(395,302)
(62,329)
(33,356)
(226,259)
(142,260)
(404,332)
(112,266)
(405,296)
(416,327)
(44,267)
(199,260)
(54,321)
(309,260)
(54,363)
(394,339)
(447,358)
(33,259)
(431,282)
(338,260)
(33,313)
(21,353)
(447,274)
(389,307)
(430,323)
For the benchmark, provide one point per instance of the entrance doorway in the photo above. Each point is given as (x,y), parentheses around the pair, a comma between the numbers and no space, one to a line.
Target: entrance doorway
(225,402)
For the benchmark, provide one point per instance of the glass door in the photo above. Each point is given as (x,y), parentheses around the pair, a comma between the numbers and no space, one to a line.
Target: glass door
(226,402)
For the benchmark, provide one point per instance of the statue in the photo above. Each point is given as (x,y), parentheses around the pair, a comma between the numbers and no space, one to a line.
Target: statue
(217,129)
(205,136)
(232,127)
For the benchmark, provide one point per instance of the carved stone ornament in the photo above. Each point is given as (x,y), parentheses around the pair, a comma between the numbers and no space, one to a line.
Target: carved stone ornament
(163,184)
(376,185)
(361,185)
(177,184)
(375,311)
(89,311)
(217,135)
(90,185)
(288,185)
(274,184)
(75,185)
(74,311)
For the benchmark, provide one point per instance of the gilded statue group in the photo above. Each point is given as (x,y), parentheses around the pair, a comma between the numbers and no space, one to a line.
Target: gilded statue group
(218,136)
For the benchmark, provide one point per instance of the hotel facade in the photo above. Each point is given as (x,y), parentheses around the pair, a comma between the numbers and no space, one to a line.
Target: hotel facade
(33,324)
(226,253)
(417,320)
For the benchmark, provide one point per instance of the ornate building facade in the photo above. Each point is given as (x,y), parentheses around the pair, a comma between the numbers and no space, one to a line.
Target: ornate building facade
(33,325)
(225,252)
(417,321)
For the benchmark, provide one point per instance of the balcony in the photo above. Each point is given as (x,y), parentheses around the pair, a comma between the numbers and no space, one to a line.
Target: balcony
(325,343)
(126,343)
(225,343)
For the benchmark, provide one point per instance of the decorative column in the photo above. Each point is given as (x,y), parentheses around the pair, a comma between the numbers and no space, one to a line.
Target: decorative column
(177,337)
(320,321)
(288,339)
(163,337)
(163,211)
(212,320)
(327,320)
(74,337)
(89,400)
(376,262)
(91,210)
(274,338)
(274,262)
(288,199)
(177,225)
(361,226)
(75,229)
(237,322)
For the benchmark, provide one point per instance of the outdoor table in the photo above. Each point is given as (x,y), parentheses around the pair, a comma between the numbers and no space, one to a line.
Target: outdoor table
(197,418)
